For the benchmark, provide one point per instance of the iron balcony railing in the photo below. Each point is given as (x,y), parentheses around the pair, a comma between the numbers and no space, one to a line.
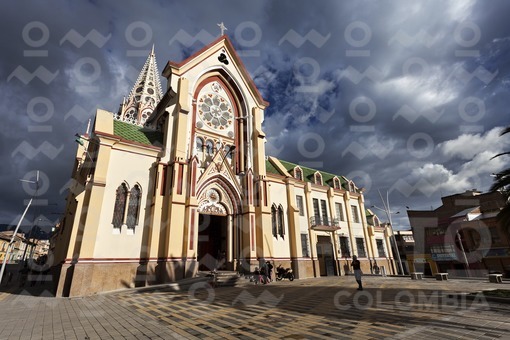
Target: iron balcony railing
(328,222)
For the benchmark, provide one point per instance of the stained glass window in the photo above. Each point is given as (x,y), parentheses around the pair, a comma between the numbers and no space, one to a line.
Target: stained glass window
(273,221)
(281,225)
(120,205)
(134,207)
(200,144)
(209,147)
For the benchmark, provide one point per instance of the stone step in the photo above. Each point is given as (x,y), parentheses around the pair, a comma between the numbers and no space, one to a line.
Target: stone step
(222,278)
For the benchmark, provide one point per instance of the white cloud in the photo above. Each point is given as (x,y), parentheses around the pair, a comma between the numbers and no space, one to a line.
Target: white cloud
(466,146)
(431,178)
(483,164)
(119,70)
(476,150)
(460,10)
(422,85)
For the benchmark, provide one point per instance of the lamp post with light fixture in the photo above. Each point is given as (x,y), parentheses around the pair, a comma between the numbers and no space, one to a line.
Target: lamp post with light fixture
(9,246)
(386,205)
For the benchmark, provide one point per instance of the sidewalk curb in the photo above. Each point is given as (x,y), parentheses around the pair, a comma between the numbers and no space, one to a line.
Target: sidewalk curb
(177,286)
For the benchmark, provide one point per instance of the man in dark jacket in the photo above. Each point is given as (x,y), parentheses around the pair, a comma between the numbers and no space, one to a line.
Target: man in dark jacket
(356,266)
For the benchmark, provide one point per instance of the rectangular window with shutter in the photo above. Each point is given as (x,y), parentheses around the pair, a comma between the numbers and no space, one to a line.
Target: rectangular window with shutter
(339,211)
(360,244)
(305,246)
(300,206)
(316,211)
(324,208)
(344,246)
(355,215)
(380,248)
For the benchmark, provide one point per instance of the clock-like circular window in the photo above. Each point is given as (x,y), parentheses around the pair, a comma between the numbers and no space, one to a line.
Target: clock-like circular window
(215,111)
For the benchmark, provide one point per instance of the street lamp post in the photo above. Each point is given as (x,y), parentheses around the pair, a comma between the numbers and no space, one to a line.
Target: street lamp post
(9,246)
(463,253)
(386,205)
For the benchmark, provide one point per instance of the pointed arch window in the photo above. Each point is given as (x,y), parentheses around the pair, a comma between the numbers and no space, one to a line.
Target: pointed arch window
(352,188)
(209,147)
(281,225)
(134,207)
(318,178)
(298,173)
(120,205)
(277,221)
(228,151)
(336,183)
(274,221)
(200,144)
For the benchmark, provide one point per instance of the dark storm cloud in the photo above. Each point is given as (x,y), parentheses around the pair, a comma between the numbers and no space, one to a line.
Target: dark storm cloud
(390,115)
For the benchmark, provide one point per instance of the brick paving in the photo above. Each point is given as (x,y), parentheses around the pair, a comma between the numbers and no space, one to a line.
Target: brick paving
(323,308)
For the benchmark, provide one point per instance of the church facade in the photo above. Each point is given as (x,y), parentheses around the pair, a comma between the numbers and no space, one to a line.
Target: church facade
(178,181)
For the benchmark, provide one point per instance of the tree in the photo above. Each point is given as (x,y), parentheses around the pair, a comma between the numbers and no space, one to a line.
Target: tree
(502,184)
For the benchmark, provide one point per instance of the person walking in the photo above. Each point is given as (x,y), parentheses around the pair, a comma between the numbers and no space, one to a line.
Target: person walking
(264,273)
(356,266)
(269,271)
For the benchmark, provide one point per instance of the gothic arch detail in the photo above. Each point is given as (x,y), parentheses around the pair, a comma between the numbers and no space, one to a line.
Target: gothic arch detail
(317,178)
(211,203)
(336,183)
(298,173)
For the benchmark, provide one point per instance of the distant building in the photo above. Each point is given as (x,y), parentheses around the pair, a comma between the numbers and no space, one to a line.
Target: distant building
(41,249)
(462,236)
(19,248)
(405,244)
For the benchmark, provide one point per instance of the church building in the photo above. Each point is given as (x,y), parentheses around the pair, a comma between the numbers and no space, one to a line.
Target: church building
(178,181)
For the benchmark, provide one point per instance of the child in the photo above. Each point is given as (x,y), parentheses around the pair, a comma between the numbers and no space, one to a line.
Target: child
(256,275)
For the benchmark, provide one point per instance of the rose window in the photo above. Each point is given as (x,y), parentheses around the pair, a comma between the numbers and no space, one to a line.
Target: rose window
(215,111)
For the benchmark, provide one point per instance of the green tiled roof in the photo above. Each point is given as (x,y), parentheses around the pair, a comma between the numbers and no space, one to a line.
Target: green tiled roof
(137,134)
(271,169)
(327,178)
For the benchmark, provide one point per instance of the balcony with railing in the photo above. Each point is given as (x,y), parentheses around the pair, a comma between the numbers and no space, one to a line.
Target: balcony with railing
(324,224)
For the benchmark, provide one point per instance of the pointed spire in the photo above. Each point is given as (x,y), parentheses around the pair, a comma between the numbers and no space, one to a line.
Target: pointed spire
(144,96)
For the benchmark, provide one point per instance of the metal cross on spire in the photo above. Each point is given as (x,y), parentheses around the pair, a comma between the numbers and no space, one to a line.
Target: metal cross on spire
(223,28)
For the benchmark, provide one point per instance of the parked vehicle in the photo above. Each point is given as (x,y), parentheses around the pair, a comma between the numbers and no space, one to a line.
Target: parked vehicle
(284,273)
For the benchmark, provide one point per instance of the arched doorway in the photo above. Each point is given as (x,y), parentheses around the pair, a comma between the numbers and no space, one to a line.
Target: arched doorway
(212,242)
(217,229)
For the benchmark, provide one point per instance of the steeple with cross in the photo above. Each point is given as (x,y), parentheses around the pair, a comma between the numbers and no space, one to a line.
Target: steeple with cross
(222,27)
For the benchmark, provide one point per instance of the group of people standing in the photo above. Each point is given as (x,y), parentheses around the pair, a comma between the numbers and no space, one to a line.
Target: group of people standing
(264,274)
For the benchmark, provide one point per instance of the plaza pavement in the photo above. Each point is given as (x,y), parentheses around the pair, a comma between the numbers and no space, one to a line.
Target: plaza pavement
(319,308)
